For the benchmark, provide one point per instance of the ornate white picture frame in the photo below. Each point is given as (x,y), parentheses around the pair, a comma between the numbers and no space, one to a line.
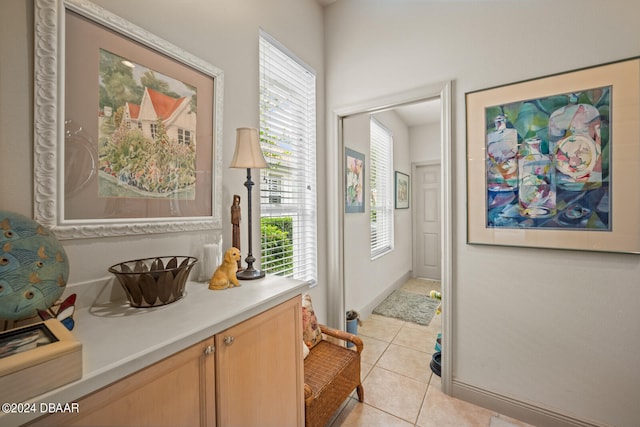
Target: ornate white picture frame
(69,110)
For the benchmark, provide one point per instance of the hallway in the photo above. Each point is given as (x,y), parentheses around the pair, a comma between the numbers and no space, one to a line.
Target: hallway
(400,388)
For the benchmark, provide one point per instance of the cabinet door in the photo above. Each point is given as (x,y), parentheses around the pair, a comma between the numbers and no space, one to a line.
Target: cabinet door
(177,391)
(259,377)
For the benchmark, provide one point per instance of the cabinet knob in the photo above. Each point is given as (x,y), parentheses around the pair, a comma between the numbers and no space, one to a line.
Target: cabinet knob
(229,340)
(209,350)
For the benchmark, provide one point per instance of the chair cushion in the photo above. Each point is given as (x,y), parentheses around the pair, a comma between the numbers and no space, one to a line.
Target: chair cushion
(311,333)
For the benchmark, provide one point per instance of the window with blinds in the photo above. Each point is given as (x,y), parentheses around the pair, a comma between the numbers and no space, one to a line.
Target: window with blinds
(381,185)
(288,186)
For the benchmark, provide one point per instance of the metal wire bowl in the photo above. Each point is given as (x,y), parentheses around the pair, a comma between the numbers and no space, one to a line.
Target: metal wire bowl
(152,282)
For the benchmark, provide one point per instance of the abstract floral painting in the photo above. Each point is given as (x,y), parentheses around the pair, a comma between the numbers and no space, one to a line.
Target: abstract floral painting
(547,161)
(354,185)
(402,190)
(554,162)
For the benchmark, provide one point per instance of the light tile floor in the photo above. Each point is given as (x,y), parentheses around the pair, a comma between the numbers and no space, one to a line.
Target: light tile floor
(399,387)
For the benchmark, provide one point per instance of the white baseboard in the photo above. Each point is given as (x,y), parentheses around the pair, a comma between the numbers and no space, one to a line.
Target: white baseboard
(528,412)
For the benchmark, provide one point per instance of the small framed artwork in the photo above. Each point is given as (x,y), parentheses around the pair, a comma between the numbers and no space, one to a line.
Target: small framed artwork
(354,181)
(21,340)
(128,127)
(402,190)
(38,358)
(554,162)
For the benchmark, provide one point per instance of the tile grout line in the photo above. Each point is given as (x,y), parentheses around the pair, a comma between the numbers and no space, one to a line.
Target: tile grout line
(375,364)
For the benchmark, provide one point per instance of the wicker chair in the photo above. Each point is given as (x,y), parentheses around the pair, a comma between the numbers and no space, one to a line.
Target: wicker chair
(331,373)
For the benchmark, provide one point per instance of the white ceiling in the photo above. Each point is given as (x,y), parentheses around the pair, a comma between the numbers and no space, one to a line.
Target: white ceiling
(421,113)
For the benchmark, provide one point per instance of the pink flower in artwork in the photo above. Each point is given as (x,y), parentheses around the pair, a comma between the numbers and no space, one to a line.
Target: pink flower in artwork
(354,180)
(356,166)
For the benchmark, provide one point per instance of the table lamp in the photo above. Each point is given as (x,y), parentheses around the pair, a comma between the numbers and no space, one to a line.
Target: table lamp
(248,155)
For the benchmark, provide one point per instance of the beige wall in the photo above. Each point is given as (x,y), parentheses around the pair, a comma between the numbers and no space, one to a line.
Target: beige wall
(223,33)
(565,340)
(425,142)
(548,330)
(367,281)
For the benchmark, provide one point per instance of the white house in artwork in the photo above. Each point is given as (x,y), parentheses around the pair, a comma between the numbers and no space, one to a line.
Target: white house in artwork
(176,115)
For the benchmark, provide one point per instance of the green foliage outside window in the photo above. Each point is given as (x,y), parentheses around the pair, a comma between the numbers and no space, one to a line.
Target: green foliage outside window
(277,245)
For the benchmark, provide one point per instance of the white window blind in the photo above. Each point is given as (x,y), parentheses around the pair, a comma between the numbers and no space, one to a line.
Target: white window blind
(288,186)
(381,189)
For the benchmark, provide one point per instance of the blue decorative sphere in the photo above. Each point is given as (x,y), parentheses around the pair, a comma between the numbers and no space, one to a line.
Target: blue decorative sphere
(34,268)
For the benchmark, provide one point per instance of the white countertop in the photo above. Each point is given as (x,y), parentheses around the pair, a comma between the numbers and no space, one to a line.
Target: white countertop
(118,340)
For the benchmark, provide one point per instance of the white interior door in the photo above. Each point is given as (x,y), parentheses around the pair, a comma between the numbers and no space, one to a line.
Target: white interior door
(427,241)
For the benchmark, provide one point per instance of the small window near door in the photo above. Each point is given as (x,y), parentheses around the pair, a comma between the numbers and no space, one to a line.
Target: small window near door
(381,186)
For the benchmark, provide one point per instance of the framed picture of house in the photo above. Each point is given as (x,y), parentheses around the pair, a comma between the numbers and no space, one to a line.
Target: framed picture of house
(354,181)
(128,127)
(402,190)
(554,162)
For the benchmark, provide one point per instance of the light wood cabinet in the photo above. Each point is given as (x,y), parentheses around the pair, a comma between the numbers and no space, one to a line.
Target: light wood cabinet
(259,370)
(252,377)
(177,391)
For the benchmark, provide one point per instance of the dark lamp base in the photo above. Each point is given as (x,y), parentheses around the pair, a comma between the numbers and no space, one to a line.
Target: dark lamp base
(250,274)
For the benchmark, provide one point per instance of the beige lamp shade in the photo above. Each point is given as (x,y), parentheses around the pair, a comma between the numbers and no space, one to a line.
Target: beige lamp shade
(248,153)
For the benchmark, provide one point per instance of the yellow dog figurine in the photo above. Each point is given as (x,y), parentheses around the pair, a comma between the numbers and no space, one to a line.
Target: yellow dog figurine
(225,275)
